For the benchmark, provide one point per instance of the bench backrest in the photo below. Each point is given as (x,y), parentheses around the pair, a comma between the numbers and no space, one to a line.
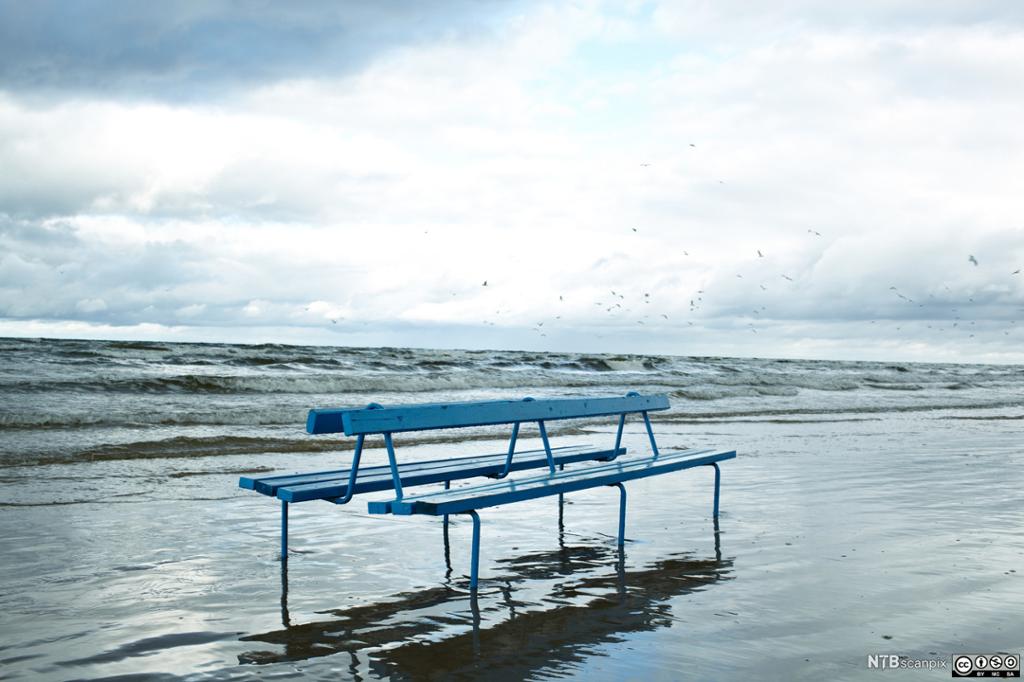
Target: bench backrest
(376,419)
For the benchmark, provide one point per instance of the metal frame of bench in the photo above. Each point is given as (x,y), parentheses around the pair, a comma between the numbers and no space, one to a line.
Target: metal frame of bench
(375,419)
(469,500)
(341,485)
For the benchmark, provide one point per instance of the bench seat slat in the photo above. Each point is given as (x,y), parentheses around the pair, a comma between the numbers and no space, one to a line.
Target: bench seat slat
(478,413)
(436,476)
(489,495)
(375,479)
(268,485)
(544,479)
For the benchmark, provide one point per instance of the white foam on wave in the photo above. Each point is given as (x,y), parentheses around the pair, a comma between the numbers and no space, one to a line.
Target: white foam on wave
(146,393)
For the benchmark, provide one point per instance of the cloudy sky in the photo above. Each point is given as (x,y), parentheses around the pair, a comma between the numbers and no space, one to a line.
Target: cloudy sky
(814,179)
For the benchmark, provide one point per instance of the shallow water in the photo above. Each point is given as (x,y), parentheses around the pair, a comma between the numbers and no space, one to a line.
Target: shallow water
(850,525)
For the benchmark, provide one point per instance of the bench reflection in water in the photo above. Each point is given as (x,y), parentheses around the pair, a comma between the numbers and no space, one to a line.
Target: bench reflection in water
(441,631)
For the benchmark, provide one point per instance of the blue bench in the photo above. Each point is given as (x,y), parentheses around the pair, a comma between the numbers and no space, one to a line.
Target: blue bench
(339,486)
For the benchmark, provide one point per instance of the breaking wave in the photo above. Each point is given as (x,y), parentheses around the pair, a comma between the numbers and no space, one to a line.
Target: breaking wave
(74,401)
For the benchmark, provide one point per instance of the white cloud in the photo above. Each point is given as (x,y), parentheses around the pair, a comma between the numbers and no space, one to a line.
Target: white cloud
(91,305)
(575,152)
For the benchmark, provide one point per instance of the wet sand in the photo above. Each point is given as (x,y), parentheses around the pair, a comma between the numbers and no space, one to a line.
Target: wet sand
(896,533)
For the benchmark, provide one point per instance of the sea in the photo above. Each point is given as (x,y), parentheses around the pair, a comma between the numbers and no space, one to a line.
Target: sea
(873,508)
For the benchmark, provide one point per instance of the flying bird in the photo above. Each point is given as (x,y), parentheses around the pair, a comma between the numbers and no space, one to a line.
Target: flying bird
(972,259)
(759,254)
(634,229)
(1016,272)
(485,283)
(787,277)
(814,232)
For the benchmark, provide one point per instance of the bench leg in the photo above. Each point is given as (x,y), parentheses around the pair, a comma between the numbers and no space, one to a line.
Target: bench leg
(718,480)
(447,545)
(284,531)
(718,542)
(561,504)
(286,619)
(561,514)
(622,513)
(447,486)
(474,566)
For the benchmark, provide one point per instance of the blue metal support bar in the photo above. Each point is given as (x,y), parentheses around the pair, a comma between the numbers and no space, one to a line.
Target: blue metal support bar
(352,474)
(394,466)
(718,480)
(650,433)
(284,531)
(547,445)
(511,451)
(618,434)
(474,567)
(622,513)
